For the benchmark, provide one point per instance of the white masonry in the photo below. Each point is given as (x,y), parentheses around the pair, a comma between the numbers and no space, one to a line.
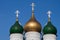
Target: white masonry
(16,36)
(49,37)
(32,36)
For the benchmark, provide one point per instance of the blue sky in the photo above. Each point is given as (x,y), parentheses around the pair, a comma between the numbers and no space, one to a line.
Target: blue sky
(8,16)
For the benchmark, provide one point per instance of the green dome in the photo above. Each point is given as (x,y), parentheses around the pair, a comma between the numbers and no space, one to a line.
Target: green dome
(16,28)
(49,29)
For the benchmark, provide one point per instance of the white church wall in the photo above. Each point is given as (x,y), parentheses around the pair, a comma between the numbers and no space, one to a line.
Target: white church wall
(49,37)
(16,36)
(32,36)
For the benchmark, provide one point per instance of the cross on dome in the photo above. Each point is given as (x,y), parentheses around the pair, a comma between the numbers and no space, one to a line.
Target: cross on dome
(17,14)
(32,6)
(49,14)
(32,9)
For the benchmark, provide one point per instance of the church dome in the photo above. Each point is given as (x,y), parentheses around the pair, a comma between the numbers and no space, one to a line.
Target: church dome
(49,29)
(32,25)
(16,28)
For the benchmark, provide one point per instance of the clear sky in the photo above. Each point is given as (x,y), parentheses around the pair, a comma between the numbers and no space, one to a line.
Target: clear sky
(8,16)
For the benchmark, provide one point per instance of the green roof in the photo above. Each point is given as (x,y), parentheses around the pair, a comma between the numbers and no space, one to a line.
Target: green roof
(49,29)
(16,28)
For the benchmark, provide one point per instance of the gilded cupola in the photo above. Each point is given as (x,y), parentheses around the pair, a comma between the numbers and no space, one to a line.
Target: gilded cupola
(32,24)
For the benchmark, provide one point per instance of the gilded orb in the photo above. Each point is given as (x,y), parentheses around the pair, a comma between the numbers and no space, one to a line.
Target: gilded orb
(32,25)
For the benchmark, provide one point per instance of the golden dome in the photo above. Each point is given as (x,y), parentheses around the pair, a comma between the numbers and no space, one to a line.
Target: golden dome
(32,25)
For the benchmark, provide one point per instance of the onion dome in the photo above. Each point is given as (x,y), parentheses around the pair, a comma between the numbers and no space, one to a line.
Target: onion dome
(49,28)
(16,28)
(32,24)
